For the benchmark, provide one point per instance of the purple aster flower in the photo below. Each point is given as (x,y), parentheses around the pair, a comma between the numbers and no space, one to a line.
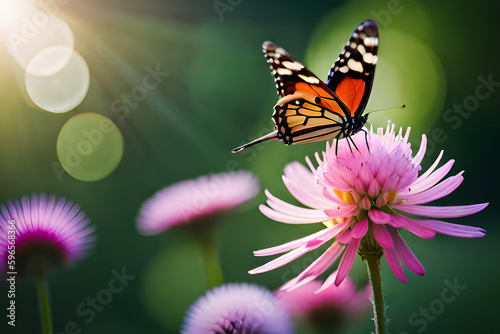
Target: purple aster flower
(193,200)
(48,232)
(362,199)
(237,308)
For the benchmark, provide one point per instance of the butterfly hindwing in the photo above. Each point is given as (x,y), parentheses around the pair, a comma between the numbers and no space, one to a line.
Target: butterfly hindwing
(351,76)
(300,120)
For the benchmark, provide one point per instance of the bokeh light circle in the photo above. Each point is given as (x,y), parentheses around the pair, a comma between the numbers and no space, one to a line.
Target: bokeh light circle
(34,32)
(50,60)
(89,147)
(62,91)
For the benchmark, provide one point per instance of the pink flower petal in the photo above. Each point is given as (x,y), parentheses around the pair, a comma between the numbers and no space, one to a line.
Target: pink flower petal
(382,235)
(399,221)
(405,253)
(334,200)
(290,209)
(284,259)
(341,212)
(329,281)
(324,234)
(347,261)
(393,261)
(360,228)
(374,188)
(316,268)
(290,219)
(441,190)
(440,211)
(344,237)
(421,151)
(338,181)
(305,197)
(379,217)
(456,230)
(422,184)
(431,168)
(302,177)
(301,183)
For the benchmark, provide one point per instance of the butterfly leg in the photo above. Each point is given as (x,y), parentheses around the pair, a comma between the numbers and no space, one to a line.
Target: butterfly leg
(352,140)
(348,143)
(366,140)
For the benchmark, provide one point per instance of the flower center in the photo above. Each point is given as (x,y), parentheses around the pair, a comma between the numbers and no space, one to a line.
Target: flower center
(334,221)
(364,201)
(37,253)
(391,197)
(345,196)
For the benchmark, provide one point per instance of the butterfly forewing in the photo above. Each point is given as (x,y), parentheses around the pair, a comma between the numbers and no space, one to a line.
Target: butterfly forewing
(351,76)
(286,70)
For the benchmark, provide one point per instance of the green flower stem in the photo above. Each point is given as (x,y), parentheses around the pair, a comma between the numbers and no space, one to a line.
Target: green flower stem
(375,277)
(206,237)
(43,300)
(212,267)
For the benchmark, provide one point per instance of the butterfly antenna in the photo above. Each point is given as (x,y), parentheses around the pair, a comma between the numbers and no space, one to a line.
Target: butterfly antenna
(401,107)
(271,135)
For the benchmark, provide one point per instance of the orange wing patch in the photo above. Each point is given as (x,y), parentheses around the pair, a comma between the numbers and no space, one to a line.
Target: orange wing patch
(351,91)
(320,91)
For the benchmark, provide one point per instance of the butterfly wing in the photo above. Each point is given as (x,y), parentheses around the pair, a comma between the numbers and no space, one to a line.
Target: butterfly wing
(310,110)
(307,110)
(288,72)
(351,76)
(302,117)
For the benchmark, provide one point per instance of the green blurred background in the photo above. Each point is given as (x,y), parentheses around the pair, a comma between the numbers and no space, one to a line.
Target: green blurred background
(218,94)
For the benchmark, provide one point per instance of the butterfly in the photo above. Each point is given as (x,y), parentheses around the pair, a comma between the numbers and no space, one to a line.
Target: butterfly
(310,110)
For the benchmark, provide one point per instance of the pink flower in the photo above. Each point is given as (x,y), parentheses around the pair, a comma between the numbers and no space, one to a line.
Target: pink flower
(363,198)
(237,308)
(192,200)
(48,232)
(344,301)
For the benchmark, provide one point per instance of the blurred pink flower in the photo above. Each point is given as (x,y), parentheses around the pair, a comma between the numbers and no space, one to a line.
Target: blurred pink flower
(237,308)
(364,198)
(309,301)
(192,200)
(48,233)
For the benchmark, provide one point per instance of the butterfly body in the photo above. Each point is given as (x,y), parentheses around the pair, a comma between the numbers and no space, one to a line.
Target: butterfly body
(310,110)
